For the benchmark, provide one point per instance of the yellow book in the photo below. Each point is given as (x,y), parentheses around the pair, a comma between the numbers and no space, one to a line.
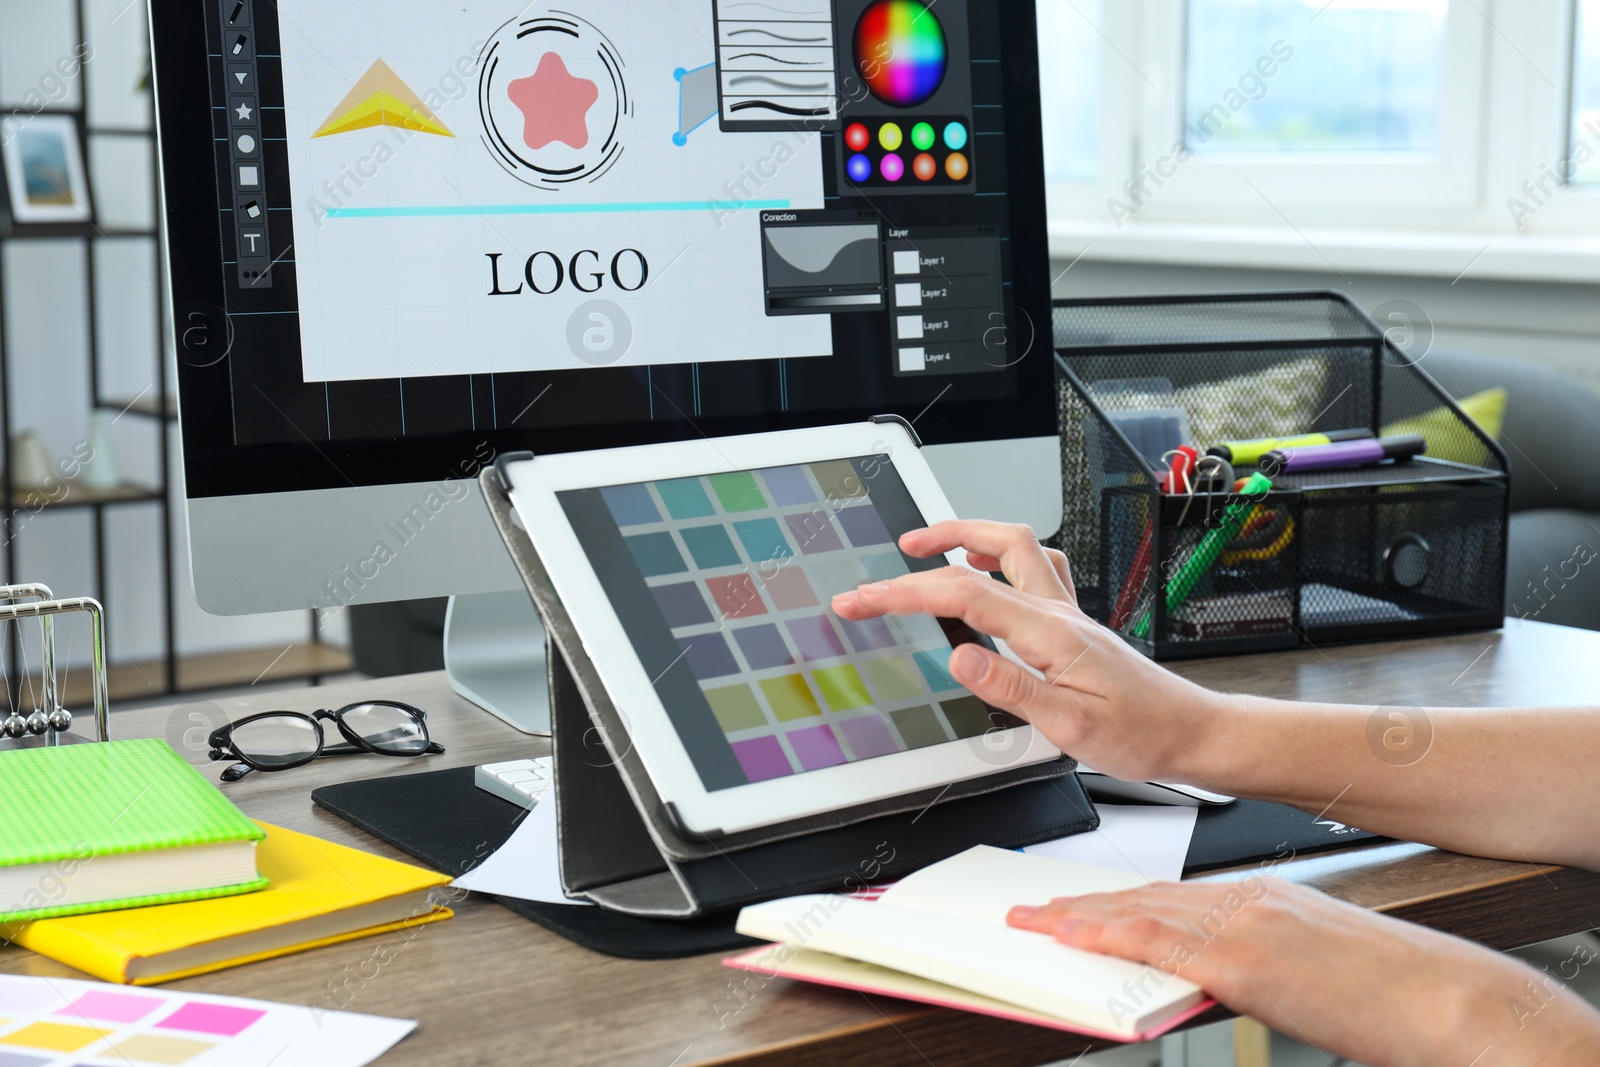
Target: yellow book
(319,893)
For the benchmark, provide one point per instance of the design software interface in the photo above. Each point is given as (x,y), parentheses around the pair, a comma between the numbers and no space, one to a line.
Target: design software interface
(429,212)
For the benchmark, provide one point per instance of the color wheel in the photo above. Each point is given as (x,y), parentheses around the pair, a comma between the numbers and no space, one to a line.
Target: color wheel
(900,51)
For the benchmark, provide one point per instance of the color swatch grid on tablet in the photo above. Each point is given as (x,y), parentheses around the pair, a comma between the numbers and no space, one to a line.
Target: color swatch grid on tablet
(742,567)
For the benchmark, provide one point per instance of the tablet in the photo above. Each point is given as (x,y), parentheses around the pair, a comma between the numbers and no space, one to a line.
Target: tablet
(698,576)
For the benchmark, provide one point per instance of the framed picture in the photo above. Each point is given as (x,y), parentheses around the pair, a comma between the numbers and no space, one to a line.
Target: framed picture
(46,181)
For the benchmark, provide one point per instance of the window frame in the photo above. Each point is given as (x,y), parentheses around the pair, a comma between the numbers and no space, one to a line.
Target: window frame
(1508,97)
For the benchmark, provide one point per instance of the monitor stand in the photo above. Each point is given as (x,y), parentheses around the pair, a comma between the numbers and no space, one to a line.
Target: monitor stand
(494,654)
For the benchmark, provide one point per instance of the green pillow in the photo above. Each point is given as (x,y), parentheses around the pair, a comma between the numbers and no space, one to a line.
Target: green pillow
(1446,440)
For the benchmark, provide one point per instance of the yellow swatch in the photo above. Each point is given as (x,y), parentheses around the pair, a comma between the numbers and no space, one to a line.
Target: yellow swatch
(148,1048)
(57,1037)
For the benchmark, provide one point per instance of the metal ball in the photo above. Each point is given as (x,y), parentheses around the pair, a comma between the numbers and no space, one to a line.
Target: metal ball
(61,720)
(14,726)
(38,723)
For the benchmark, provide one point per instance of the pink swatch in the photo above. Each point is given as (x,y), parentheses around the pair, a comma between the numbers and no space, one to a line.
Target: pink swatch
(219,1019)
(111,1007)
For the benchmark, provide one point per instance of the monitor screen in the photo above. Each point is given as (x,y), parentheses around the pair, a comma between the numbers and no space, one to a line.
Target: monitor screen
(400,231)
(722,584)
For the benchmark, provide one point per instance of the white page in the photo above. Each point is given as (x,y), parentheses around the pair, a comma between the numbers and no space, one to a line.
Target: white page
(982,884)
(528,866)
(1149,840)
(1015,966)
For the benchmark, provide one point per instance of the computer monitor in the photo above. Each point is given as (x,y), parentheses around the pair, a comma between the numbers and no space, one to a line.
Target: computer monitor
(404,238)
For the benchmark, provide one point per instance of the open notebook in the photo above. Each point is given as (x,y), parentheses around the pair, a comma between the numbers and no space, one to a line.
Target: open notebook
(940,936)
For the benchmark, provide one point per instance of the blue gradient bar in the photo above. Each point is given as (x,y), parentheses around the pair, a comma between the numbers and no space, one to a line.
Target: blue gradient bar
(549,209)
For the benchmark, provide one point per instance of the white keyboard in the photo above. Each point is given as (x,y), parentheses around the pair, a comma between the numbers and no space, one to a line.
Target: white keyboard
(521,781)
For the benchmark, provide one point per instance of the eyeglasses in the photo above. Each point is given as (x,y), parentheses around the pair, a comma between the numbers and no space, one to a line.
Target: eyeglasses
(280,740)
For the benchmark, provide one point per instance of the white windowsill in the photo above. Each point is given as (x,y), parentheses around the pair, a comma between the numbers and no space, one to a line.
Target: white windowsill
(1454,256)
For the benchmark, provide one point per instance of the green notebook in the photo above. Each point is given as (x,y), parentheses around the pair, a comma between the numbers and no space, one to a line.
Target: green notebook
(119,825)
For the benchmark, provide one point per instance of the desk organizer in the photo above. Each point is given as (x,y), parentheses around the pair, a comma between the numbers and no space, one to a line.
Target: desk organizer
(1398,549)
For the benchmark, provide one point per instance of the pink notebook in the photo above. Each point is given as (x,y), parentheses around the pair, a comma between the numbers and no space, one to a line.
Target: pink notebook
(843,973)
(939,937)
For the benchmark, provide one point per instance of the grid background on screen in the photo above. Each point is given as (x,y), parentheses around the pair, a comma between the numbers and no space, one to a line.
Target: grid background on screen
(743,567)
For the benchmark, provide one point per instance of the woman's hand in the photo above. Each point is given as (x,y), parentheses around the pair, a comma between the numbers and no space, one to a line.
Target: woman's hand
(1336,976)
(1093,696)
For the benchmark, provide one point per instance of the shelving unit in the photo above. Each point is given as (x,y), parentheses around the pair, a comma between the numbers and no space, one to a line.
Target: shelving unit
(171,672)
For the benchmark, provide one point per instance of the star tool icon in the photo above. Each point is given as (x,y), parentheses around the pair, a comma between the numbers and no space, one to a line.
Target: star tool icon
(555,104)
(244,112)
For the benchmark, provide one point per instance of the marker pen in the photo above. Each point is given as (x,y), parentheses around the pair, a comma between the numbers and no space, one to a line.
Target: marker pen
(1247,453)
(1342,455)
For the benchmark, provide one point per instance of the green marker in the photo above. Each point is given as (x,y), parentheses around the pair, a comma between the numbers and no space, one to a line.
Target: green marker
(1210,547)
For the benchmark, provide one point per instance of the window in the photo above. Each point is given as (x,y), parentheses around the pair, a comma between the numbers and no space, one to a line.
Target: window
(1070,48)
(1296,132)
(1586,90)
(1365,75)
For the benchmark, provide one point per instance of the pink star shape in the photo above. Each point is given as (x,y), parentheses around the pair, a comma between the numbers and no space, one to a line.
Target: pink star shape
(555,104)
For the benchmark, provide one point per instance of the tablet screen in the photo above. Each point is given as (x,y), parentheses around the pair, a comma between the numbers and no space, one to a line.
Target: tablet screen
(722,584)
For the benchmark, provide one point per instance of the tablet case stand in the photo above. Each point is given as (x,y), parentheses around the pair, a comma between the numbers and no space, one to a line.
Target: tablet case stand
(623,849)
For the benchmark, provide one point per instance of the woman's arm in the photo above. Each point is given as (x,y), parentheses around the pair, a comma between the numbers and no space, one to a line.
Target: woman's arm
(1339,977)
(1507,783)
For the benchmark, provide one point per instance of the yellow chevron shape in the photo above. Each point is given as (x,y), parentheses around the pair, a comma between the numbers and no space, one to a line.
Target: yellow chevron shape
(380,98)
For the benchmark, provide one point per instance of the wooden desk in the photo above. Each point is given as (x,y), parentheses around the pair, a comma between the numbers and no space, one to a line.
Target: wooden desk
(492,988)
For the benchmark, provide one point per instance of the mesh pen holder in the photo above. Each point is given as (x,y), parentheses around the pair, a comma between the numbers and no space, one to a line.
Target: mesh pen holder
(50,722)
(1398,549)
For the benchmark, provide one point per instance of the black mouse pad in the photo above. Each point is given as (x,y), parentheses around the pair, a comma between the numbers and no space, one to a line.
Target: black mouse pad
(442,819)
(447,822)
(1255,831)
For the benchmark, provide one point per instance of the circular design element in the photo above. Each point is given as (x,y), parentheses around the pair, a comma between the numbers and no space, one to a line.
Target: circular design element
(955,136)
(859,168)
(599,333)
(922,136)
(857,137)
(247,143)
(957,167)
(893,167)
(891,136)
(553,99)
(900,51)
(924,167)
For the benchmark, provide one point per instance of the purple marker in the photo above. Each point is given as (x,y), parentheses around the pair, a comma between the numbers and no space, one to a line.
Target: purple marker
(1342,455)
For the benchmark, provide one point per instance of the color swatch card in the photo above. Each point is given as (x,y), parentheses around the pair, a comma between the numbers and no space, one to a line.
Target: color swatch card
(723,584)
(53,1022)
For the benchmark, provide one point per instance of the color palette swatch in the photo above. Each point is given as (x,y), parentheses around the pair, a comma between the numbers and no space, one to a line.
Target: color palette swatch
(909,151)
(742,568)
(901,52)
(62,1023)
